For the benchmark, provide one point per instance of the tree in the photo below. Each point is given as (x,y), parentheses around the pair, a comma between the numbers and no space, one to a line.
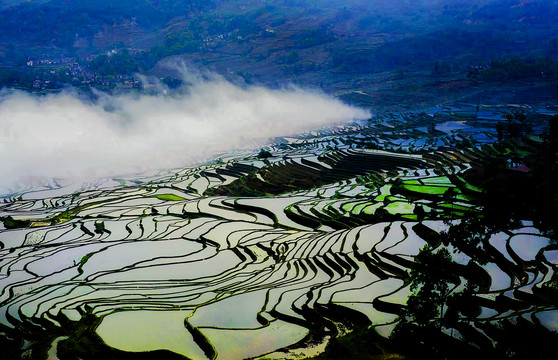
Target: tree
(468,237)
(420,324)
(500,130)
(449,196)
(440,68)
(551,133)
(419,212)
(181,41)
(431,126)
(264,154)
(552,51)
(430,284)
(516,123)
(292,58)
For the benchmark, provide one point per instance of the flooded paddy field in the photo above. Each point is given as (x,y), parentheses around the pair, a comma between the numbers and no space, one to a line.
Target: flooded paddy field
(274,256)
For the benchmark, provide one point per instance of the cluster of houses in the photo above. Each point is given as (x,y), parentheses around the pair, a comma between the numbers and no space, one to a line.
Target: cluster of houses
(52,73)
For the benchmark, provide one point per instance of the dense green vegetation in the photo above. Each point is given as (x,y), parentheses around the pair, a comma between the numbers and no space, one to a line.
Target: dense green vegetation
(517,68)
(512,195)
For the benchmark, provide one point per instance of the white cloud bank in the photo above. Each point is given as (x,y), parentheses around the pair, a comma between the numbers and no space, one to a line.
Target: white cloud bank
(63,135)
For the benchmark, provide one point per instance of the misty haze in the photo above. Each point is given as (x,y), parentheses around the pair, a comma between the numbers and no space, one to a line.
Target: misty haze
(64,135)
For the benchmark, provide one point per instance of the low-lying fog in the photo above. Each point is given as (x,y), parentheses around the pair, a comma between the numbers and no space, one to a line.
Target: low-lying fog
(66,135)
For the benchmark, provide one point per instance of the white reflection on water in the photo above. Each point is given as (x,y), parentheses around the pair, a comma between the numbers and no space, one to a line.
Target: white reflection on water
(149,330)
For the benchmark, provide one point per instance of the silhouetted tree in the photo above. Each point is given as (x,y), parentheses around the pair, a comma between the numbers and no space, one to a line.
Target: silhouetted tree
(430,283)
(517,123)
(468,237)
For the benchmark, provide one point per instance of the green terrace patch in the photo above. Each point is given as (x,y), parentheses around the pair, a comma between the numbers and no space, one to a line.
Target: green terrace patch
(169,197)
(435,190)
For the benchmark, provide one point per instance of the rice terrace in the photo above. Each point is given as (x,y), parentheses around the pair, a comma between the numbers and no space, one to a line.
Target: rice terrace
(299,249)
(334,180)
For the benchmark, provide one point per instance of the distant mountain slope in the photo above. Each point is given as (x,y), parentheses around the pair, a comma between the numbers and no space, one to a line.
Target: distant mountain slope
(59,23)
(287,37)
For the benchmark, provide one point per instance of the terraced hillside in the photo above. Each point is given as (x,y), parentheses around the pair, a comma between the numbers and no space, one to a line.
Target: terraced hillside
(305,249)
